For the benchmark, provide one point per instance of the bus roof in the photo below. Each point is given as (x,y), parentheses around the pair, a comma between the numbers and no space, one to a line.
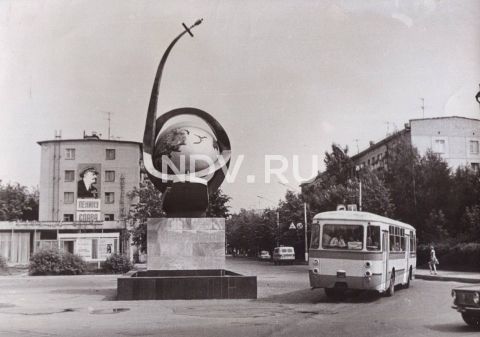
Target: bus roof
(359,216)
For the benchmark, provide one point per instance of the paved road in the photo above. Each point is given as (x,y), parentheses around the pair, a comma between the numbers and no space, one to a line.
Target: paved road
(84,306)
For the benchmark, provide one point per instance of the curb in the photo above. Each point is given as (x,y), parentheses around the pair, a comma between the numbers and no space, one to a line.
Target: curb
(447,278)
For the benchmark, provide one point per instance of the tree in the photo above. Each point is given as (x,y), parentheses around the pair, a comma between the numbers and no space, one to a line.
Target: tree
(464,193)
(432,190)
(340,184)
(402,161)
(217,205)
(17,202)
(148,205)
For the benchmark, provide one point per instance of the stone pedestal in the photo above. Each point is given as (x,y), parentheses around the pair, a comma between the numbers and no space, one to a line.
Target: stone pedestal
(186,260)
(186,243)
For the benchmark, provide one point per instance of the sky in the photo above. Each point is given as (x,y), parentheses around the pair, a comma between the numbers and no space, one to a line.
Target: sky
(283,77)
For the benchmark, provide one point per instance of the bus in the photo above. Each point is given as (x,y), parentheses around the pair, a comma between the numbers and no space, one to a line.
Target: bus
(360,250)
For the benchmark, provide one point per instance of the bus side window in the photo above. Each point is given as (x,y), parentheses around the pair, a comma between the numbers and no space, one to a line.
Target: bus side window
(315,243)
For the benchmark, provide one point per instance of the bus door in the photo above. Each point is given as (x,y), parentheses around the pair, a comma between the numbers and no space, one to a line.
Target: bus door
(385,256)
(407,251)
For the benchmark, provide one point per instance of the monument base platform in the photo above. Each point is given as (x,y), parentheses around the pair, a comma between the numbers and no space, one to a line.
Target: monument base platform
(185,285)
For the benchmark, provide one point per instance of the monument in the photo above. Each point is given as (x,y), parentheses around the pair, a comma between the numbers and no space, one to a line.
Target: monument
(186,153)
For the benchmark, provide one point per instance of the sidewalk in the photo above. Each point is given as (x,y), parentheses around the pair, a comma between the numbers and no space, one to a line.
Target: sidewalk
(445,275)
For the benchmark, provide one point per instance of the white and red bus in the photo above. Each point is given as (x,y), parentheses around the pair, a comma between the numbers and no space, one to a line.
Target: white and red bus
(360,250)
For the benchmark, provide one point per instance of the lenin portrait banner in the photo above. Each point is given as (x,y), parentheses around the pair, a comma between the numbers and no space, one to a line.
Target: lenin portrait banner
(88,181)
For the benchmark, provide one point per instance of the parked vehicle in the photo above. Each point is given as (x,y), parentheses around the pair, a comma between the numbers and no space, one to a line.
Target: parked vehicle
(283,255)
(264,255)
(360,250)
(466,300)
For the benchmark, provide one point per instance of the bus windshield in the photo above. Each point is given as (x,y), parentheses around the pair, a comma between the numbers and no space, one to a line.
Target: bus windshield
(342,237)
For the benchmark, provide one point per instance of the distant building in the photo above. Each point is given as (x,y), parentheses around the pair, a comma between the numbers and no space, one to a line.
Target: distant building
(83,200)
(455,139)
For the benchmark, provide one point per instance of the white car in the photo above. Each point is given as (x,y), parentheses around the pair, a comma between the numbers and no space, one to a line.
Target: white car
(264,255)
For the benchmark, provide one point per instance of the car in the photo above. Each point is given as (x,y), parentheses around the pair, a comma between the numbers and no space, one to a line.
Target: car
(264,255)
(466,300)
(283,255)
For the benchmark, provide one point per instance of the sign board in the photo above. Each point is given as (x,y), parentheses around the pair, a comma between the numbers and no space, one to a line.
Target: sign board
(105,248)
(88,216)
(83,248)
(292,226)
(88,204)
(299,225)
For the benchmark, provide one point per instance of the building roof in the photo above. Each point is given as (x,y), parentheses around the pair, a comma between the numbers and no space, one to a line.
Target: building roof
(380,143)
(444,117)
(88,140)
(359,216)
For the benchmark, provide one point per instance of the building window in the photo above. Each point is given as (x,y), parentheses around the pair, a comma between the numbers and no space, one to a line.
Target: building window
(109,176)
(110,154)
(68,197)
(68,217)
(69,175)
(474,146)
(475,166)
(70,154)
(109,217)
(109,197)
(439,146)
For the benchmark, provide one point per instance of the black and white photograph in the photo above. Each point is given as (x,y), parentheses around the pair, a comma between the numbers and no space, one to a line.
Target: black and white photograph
(236,168)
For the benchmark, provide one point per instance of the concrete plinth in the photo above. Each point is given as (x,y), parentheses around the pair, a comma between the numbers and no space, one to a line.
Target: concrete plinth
(186,243)
(186,260)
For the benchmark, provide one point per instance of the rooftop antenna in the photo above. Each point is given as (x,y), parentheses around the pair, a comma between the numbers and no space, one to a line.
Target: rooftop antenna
(109,119)
(423,107)
(388,127)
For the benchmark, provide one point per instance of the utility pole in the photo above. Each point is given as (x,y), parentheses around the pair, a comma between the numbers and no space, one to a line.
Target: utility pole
(423,107)
(306,240)
(278,228)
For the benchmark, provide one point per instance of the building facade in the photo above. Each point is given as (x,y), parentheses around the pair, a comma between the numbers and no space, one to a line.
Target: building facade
(84,186)
(455,139)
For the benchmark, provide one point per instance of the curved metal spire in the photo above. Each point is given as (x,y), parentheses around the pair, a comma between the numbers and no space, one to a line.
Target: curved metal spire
(149,133)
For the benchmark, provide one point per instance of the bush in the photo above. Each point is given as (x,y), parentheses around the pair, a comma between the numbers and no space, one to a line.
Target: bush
(55,262)
(117,263)
(3,263)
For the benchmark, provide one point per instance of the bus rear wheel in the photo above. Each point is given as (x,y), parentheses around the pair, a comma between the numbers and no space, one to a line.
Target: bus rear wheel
(391,288)
(407,285)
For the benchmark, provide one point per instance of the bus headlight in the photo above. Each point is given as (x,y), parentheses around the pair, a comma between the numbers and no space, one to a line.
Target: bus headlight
(315,270)
(316,262)
(476,298)
(368,273)
(368,264)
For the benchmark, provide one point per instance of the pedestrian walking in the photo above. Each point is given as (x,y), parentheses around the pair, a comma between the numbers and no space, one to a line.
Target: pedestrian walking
(433,261)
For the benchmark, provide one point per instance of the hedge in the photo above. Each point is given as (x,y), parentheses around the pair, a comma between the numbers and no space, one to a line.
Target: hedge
(460,256)
(117,263)
(55,262)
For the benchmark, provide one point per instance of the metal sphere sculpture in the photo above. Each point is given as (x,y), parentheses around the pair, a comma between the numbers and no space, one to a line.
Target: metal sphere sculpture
(187,163)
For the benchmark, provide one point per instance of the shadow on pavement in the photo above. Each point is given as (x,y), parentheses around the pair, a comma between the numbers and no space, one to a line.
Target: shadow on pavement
(109,294)
(315,296)
(452,328)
